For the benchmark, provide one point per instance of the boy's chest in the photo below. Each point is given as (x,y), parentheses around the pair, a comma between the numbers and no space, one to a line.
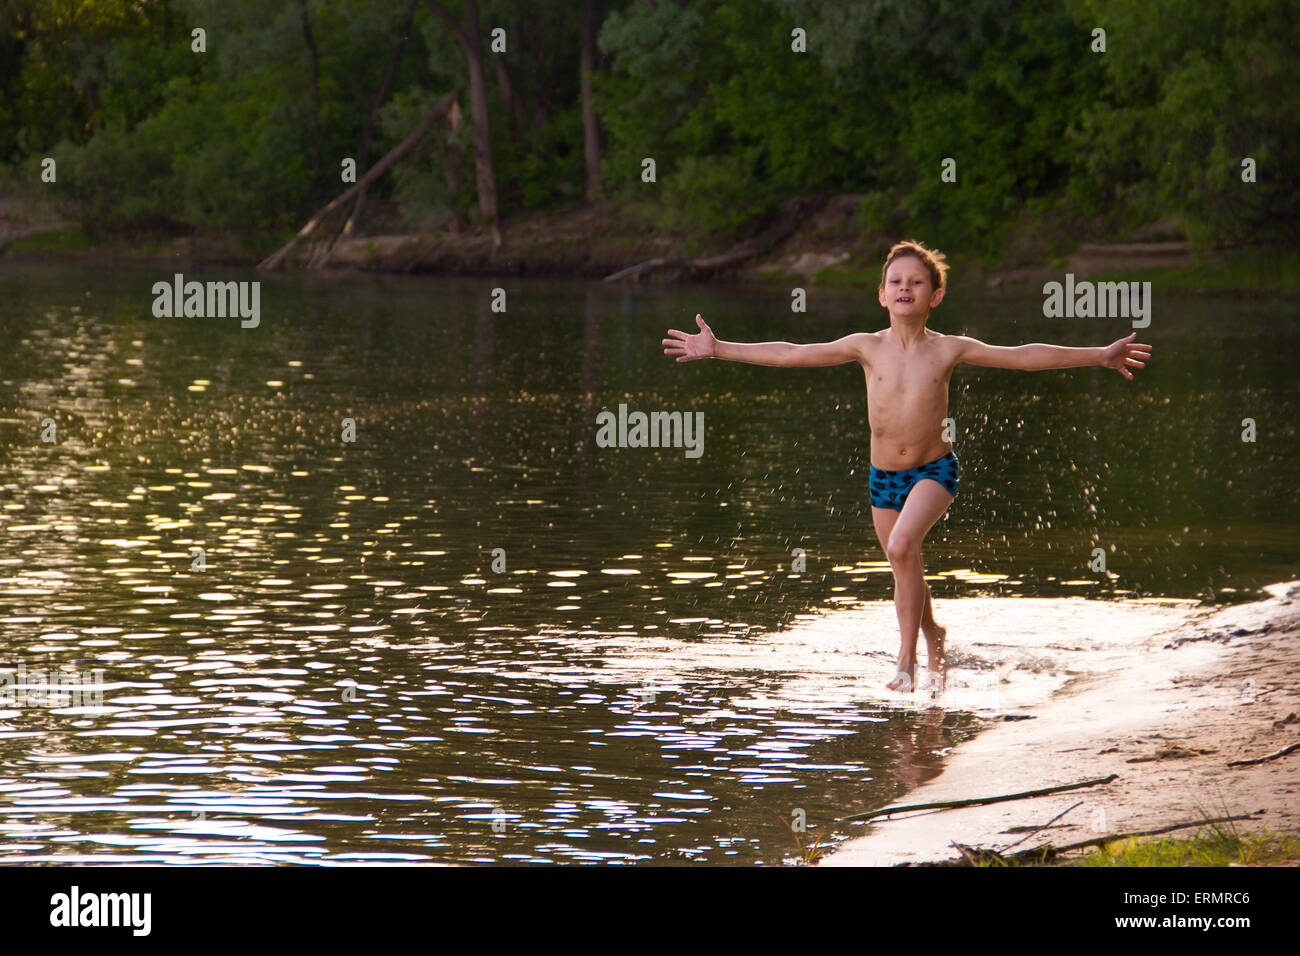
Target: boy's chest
(896,373)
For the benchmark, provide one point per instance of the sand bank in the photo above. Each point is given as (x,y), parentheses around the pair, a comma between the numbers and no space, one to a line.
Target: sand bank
(1166,713)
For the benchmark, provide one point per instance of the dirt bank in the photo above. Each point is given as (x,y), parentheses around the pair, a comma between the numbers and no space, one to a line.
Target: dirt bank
(824,243)
(1166,714)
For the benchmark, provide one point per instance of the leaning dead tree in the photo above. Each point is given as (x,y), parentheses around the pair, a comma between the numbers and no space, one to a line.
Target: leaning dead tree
(372,119)
(275,260)
(795,210)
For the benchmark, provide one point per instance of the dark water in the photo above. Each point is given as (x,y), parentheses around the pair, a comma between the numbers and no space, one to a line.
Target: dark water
(349,678)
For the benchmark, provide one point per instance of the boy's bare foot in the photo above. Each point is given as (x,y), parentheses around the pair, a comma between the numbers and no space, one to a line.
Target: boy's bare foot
(936,663)
(904,680)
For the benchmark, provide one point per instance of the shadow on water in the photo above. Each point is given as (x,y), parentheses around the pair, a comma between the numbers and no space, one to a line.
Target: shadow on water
(472,633)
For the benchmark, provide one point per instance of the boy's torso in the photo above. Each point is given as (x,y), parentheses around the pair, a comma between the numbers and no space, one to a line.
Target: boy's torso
(907,399)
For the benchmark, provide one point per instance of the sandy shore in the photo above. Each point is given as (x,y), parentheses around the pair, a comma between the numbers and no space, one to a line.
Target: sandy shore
(1165,714)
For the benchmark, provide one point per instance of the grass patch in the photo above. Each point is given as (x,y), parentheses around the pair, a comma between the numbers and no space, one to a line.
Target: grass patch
(57,241)
(1271,270)
(1221,847)
(1216,842)
(76,242)
(840,276)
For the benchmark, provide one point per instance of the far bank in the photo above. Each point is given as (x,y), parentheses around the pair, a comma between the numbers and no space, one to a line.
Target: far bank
(810,241)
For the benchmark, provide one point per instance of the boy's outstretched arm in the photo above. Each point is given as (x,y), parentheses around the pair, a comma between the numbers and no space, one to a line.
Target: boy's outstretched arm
(784,354)
(1119,355)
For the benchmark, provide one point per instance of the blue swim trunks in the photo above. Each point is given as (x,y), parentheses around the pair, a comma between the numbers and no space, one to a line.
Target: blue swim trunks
(889,489)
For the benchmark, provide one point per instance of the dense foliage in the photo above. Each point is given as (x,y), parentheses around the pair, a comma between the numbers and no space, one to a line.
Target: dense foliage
(1051,139)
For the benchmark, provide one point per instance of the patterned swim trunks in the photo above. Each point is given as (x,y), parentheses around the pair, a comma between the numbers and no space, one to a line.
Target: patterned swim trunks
(889,489)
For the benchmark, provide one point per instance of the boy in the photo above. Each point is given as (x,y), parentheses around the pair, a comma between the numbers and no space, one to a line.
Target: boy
(914,473)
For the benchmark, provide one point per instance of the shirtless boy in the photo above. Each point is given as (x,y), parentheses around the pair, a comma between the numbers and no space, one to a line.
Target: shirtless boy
(914,473)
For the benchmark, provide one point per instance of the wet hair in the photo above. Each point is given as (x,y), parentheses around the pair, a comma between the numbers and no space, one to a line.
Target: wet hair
(932,258)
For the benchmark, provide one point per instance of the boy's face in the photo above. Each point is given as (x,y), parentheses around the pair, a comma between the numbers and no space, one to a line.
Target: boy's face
(909,291)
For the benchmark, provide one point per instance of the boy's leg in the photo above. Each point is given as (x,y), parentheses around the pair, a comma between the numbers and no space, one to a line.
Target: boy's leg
(925,503)
(884,519)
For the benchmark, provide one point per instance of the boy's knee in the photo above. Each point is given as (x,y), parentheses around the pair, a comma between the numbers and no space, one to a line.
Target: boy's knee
(901,548)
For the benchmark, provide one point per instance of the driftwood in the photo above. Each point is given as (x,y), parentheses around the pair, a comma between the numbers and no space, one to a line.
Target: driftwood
(1281,753)
(1039,829)
(972,856)
(795,210)
(950,804)
(650,265)
(401,149)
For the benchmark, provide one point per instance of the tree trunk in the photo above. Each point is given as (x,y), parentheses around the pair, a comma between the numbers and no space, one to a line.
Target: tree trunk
(514,109)
(314,87)
(534,57)
(487,182)
(363,150)
(590,129)
(381,167)
(454,181)
(467,35)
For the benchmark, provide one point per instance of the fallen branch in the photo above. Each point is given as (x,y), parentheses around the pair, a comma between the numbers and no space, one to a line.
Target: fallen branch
(972,856)
(648,266)
(1098,841)
(753,247)
(401,149)
(737,254)
(1038,829)
(950,804)
(1281,753)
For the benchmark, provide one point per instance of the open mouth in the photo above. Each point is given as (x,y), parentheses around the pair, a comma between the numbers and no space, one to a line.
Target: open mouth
(902,299)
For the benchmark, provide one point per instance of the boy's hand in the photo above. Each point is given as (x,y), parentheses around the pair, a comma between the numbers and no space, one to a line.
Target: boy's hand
(1124,352)
(690,347)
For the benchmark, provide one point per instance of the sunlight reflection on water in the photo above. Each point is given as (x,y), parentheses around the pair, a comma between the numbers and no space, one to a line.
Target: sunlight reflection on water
(309,656)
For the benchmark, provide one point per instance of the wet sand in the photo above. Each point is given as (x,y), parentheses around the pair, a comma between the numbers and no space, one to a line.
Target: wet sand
(1166,713)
